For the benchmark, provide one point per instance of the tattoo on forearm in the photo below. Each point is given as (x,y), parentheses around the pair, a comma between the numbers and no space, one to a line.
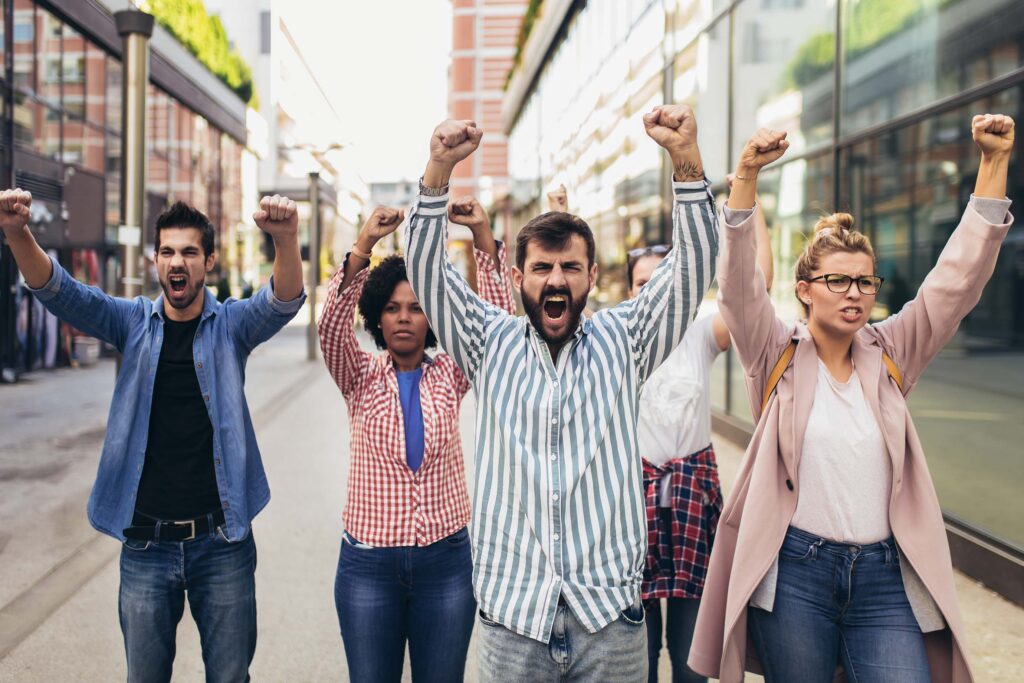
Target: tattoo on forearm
(689,170)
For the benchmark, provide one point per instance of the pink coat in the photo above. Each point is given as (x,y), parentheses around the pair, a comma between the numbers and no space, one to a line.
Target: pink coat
(764,495)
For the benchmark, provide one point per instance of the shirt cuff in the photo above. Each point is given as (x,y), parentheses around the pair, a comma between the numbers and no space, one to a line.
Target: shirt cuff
(992,210)
(733,217)
(691,190)
(285,307)
(52,286)
(430,206)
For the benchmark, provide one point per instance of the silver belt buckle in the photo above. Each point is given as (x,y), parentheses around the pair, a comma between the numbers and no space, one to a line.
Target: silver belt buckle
(191,523)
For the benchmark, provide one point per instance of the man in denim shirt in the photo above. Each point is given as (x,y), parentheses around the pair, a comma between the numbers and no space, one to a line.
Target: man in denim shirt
(180,478)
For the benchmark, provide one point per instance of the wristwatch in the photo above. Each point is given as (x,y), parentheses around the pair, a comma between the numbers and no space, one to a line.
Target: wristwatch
(432,191)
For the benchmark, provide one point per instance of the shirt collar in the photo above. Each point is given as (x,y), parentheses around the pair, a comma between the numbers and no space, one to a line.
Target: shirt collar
(210,305)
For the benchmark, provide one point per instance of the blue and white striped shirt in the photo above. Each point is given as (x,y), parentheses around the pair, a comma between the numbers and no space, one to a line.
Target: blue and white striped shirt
(558,504)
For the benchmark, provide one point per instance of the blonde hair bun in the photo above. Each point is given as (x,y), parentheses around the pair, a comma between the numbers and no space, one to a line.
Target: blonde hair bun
(836,222)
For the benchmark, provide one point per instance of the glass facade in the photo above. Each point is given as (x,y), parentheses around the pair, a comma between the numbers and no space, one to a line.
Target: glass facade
(877,96)
(62,97)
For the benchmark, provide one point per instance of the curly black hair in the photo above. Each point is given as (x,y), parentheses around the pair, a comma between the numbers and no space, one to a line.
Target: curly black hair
(377,290)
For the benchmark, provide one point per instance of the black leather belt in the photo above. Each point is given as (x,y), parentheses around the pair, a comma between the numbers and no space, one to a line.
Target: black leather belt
(146,528)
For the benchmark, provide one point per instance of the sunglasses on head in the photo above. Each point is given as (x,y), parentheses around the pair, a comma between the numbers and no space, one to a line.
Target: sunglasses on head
(653,250)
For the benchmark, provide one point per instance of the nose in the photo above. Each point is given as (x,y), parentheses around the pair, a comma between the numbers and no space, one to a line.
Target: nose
(557,277)
(404,314)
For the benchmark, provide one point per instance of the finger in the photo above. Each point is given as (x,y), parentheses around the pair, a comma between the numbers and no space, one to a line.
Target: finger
(26,197)
(259,217)
(277,213)
(22,210)
(475,135)
(650,119)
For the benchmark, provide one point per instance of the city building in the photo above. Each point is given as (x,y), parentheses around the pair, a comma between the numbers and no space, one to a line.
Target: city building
(61,139)
(877,96)
(483,49)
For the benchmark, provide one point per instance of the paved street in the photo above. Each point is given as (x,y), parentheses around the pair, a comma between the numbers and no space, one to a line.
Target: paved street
(58,620)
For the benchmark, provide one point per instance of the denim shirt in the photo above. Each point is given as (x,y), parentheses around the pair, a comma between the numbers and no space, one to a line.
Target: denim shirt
(227,334)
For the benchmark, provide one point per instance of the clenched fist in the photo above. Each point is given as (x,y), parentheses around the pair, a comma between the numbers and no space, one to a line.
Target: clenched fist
(381,223)
(763,147)
(14,210)
(278,217)
(453,141)
(993,133)
(468,211)
(558,200)
(673,126)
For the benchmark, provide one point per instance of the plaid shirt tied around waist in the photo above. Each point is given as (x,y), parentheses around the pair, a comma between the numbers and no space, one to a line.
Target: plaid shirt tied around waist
(679,542)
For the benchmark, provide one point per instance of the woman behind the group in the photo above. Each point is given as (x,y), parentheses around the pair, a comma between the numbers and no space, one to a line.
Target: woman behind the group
(681,487)
(832,547)
(404,571)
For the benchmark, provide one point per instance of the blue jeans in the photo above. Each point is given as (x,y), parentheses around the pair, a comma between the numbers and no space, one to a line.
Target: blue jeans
(217,576)
(618,652)
(838,602)
(423,595)
(679,627)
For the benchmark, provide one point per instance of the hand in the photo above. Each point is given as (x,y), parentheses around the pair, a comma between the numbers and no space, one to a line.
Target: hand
(730,178)
(453,141)
(278,217)
(993,134)
(673,126)
(468,211)
(14,210)
(382,222)
(763,147)
(558,200)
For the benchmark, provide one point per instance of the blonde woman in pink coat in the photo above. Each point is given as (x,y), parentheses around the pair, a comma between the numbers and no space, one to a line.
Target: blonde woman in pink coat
(832,553)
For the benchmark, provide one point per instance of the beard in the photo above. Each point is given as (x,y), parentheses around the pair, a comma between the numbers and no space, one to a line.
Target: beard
(190,292)
(535,312)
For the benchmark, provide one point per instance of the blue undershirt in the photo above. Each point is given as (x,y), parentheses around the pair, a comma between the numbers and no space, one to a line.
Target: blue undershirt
(412,414)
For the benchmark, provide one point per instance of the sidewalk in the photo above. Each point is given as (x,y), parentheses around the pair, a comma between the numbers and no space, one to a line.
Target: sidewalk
(302,426)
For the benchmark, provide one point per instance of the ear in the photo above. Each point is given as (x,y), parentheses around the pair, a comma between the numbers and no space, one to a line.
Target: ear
(593,277)
(517,279)
(803,290)
(210,261)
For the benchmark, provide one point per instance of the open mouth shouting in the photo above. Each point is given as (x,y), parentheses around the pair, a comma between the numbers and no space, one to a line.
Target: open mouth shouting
(178,283)
(851,314)
(555,306)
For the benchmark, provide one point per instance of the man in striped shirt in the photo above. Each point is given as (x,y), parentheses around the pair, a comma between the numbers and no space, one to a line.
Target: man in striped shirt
(559,533)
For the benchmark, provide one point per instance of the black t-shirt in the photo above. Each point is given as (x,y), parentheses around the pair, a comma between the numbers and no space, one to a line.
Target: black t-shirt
(178,480)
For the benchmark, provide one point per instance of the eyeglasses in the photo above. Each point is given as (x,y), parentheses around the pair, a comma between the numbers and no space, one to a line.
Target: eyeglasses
(840,284)
(653,250)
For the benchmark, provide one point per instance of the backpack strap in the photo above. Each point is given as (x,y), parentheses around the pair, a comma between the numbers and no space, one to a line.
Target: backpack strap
(894,371)
(777,372)
(787,357)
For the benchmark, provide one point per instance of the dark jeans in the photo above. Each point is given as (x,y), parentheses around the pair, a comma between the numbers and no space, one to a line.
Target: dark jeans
(218,578)
(682,618)
(423,595)
(839,602)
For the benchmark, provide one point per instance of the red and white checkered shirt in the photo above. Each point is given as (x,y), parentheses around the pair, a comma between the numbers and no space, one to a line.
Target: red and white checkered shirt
(388,504)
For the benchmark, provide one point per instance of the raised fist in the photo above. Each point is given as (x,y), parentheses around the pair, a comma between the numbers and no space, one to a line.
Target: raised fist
(558,200)
(14,210)
(993,133)
(277,216)
(468,211)
(673,126)
(382,222)
(763,147)
(453,141)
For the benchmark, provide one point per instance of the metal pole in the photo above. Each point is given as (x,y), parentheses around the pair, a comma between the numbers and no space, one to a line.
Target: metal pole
(312,339)
(135,29)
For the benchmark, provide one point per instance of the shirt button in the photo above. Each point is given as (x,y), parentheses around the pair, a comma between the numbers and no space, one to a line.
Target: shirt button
(554,457)
(554,496)
(199,365)
(206,397)
(554,420)
(216,461)
(555,536)
(225,504)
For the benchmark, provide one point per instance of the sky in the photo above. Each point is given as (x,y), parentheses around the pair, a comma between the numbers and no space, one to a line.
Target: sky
(384,66)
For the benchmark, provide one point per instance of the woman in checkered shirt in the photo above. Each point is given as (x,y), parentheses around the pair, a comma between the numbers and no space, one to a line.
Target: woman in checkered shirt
(404,571)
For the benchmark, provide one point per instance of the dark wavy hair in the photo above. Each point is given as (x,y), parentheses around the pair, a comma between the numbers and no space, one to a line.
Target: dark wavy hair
(380,284)
(182,215)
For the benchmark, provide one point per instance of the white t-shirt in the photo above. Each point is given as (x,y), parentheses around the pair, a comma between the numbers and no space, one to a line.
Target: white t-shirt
(675,404)
(845,471)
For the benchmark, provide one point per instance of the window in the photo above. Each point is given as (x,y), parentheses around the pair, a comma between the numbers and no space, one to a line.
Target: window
(265,33)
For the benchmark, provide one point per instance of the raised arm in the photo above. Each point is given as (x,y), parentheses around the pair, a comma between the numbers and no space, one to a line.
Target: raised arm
(345,360)
(492,280)
(743,299)
(660,314)
(953,287)
(89,309)
(257,319)
(558,199)
(764,261)
(457,315)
